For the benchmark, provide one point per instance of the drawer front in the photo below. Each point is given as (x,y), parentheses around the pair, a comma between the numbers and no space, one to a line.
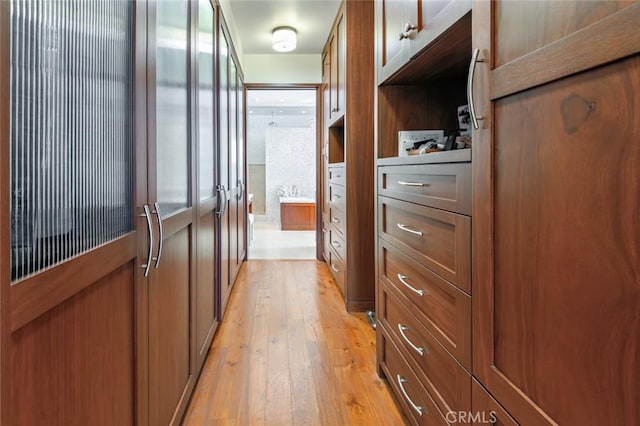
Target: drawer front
(442,308)
(337,243)
(325,241)
(337,197)
(417,403)
(440,240)
(337,267)
(337,220)
(487,410)
(337,175)
(444,186)
(445,379)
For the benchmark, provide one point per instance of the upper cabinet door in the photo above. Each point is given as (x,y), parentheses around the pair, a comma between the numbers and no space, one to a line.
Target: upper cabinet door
(394,20)
(556,203)
(433,18)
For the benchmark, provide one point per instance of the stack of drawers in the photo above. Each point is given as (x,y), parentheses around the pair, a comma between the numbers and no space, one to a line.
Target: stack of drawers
(335,229)
(424,286)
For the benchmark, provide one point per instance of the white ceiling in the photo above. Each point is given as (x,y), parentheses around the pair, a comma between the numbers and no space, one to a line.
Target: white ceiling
(255,19)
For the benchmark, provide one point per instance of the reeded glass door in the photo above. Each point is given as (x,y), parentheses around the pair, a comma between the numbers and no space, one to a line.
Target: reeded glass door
(169,204)
(206,309)
(74,229)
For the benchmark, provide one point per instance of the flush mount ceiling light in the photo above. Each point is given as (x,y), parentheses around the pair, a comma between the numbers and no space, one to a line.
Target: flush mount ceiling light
(283,39)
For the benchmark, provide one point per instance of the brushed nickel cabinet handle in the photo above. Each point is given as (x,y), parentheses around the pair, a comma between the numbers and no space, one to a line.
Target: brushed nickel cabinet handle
(336,244)
(324,230)
(334,267)
(334,220)
(416,408)
(402,329)
(407,30)
(334,109)
(409,230)
(403,183)
(470,101)
(403,278)
(159,215)
(146,266)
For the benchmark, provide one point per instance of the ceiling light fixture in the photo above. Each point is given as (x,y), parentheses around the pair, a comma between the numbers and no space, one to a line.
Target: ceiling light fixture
(283,39)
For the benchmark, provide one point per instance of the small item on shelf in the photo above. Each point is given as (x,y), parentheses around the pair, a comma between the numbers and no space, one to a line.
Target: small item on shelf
(416,142)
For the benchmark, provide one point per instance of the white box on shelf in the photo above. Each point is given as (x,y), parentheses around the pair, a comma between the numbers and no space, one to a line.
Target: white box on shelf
(410,141)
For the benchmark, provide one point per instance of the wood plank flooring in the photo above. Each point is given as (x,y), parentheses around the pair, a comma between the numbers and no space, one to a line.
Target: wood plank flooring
(287,353)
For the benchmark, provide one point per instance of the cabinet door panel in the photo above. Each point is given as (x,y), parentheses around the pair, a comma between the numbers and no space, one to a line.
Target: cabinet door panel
(392,51)
(565,268)
(169,370)
(524,26)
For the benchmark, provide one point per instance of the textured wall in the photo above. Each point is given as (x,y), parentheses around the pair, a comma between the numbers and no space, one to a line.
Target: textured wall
(290,159)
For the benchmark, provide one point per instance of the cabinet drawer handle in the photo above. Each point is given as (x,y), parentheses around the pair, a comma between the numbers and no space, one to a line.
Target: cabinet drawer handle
(324,230)
(334,220)
(402,380)
(334,110)
(403,183)
(402,329)
(334,267)
(470,101)
(409,230)
(337,244)
(336,196)
(409,286)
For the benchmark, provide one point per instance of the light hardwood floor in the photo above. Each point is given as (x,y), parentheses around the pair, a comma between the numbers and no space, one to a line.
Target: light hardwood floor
(287,353)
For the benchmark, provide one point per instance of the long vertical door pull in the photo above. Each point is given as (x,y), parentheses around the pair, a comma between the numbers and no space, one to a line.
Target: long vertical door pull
(146,266)
(161,237)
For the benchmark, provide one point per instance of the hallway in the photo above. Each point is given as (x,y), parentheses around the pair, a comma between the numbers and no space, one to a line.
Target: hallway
(287,353)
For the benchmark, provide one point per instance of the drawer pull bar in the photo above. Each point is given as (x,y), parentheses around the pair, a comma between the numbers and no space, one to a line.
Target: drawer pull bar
(409,230)
(403,183)
(324,230)
(401,380)
(402,329)
(336,196)
(336,244)
(334,267)
(409,286)
(334,220)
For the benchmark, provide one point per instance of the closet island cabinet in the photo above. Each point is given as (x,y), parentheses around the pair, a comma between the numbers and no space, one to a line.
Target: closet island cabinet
(541,213)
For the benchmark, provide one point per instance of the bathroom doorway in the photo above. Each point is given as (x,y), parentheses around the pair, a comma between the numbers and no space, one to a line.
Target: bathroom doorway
(282,139)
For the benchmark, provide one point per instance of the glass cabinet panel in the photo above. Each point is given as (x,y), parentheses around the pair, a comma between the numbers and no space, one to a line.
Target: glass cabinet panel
(172,97)
(71,129)
(206,97)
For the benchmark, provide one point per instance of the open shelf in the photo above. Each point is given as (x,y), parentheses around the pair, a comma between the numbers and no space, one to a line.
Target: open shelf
(425,94)
(336,142)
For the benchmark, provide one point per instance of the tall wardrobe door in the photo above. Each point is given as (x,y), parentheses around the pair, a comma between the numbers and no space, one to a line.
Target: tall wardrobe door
(223,173)
(233,168)
(170,370)
(207,200)
(241,195)
(73,227)
(556,294)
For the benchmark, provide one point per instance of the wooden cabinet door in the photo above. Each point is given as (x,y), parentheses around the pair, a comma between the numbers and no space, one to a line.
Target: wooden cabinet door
(333,76)
(207,197)
(73,124)
(234,187)
(338,109)
(171,369)
(556,200)
(434,17)
(224,183)
(241,197)
(392,40)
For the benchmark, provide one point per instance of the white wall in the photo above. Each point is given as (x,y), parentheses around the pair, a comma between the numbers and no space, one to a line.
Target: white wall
(290,159)
(282,68)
